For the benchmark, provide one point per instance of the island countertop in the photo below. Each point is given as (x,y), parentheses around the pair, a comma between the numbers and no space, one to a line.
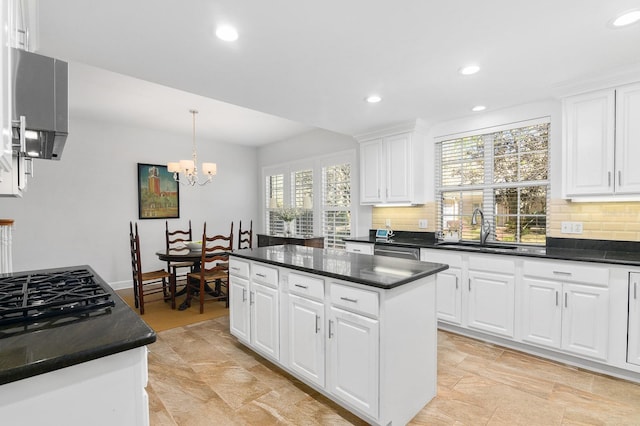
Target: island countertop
(37,348)
(376,271)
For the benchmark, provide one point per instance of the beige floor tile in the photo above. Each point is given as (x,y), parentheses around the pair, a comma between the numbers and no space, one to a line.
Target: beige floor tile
(201,375)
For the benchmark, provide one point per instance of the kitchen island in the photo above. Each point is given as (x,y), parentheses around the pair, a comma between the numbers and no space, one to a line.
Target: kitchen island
(81,365)
(359,329)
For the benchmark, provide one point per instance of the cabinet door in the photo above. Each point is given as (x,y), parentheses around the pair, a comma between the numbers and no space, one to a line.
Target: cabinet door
(491,302)
(542,312)
(265,335)
(449,296)
(354,360)
(585,320)
(371,172)
(306,338)
(633,331)
(398,187)
(239,315)
(628,139)
(589,143)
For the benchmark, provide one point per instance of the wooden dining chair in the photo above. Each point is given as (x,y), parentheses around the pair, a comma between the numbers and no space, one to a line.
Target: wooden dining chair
(214,269)
(147,283)
(245,238)
(175,244)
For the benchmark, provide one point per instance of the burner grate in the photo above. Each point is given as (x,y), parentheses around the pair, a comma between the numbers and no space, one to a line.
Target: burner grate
(32,297)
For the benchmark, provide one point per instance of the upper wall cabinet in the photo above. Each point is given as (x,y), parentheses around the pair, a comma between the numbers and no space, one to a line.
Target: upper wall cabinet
(392,165)
(601,139)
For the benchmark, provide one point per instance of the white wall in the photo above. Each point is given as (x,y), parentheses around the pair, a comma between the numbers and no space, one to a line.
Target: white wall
(77,210)
(316,144)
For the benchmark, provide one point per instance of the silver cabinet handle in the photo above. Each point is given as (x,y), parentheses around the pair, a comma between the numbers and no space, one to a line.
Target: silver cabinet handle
(317,324)
(251,297)
(235,268)
(565,300)
(635,290)
(301,286)
(261,275)
(456,283)
(609,178)
(356,250)
(469,284)
(562,273)
(347,299)
(330,333)
(244,294)
(556,297)
(619,177)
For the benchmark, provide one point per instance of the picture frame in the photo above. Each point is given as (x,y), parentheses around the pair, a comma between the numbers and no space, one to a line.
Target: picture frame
(158,192)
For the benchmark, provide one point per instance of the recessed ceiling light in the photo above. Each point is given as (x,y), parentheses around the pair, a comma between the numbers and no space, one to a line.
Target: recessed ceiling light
(373,99)
(227,33)
(626,18)
(469,69)
(478,108)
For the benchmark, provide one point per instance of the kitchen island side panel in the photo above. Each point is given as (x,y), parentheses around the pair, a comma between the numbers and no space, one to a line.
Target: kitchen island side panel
(409,350)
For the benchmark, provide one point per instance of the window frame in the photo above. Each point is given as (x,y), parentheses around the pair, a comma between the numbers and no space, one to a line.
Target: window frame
(485,190)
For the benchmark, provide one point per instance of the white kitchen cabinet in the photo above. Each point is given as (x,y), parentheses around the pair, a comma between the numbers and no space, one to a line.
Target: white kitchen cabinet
(239,318)
(362,248)
(633,328)
(254,306)
(566,306)
(600,144)
(449,284)
(265,333)
(392,166)
(354,356)
(5,97)
(306,327)
(491,295)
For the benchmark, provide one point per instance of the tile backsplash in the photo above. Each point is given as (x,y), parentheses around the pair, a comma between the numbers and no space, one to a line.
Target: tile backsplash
(600,221)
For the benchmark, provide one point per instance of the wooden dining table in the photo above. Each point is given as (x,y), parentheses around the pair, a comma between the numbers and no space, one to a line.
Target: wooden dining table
(194,256)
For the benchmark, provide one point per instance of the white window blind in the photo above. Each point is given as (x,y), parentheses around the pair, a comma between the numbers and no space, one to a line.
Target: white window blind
(503,172)
(274,196)
(303,199)
(336,204)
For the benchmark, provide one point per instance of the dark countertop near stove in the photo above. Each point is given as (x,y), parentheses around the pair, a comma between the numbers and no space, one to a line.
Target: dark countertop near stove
(375,271)
(574,249)
(37,348)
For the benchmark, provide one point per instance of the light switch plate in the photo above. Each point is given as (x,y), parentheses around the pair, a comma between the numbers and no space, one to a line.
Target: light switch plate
(422,223)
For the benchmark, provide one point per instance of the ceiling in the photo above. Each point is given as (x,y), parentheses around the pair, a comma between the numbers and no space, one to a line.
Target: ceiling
(299,65)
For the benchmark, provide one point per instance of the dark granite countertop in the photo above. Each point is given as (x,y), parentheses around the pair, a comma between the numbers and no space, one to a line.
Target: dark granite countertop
(38,348)
(376,271)
(574,249)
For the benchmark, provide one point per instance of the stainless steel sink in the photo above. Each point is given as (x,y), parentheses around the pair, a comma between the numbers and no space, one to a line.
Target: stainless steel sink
(491,248)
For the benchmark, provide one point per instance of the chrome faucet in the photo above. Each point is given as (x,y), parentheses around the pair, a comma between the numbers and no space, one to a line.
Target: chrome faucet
(485,227)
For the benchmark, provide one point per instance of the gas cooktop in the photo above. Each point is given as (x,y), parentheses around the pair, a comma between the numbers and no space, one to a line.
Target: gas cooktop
(30,298)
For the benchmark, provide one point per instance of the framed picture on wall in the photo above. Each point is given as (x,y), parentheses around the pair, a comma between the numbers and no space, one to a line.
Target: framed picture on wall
(158,193)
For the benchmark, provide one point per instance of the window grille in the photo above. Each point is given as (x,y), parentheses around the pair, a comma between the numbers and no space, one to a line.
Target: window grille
(303,190)
(274,187)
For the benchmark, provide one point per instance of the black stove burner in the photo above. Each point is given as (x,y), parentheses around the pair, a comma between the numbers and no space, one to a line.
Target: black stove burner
(32,297)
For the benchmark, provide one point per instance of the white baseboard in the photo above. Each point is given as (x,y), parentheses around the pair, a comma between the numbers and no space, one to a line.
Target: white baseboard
(121,285)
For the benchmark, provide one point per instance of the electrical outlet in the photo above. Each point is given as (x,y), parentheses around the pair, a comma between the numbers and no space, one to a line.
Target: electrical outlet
(571,227)
(422,223)
(387,222)
(576,228)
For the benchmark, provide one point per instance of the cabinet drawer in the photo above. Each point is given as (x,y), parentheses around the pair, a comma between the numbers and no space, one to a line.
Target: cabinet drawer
(264,274)
(454,260)
(303,285)
(355,300)
(567,272)
(239,268)
(492,263)
(362,248)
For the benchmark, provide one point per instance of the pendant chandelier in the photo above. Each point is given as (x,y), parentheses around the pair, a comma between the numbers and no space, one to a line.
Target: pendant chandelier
(186,171)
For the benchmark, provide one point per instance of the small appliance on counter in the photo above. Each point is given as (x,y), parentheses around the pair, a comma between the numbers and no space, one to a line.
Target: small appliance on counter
(383,234)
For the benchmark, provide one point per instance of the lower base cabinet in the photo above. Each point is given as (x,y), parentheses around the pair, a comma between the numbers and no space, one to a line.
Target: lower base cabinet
(354,351)
(633,327)
(373,351)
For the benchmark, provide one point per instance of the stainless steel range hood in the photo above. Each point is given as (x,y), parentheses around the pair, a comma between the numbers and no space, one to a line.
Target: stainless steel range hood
(40,111)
